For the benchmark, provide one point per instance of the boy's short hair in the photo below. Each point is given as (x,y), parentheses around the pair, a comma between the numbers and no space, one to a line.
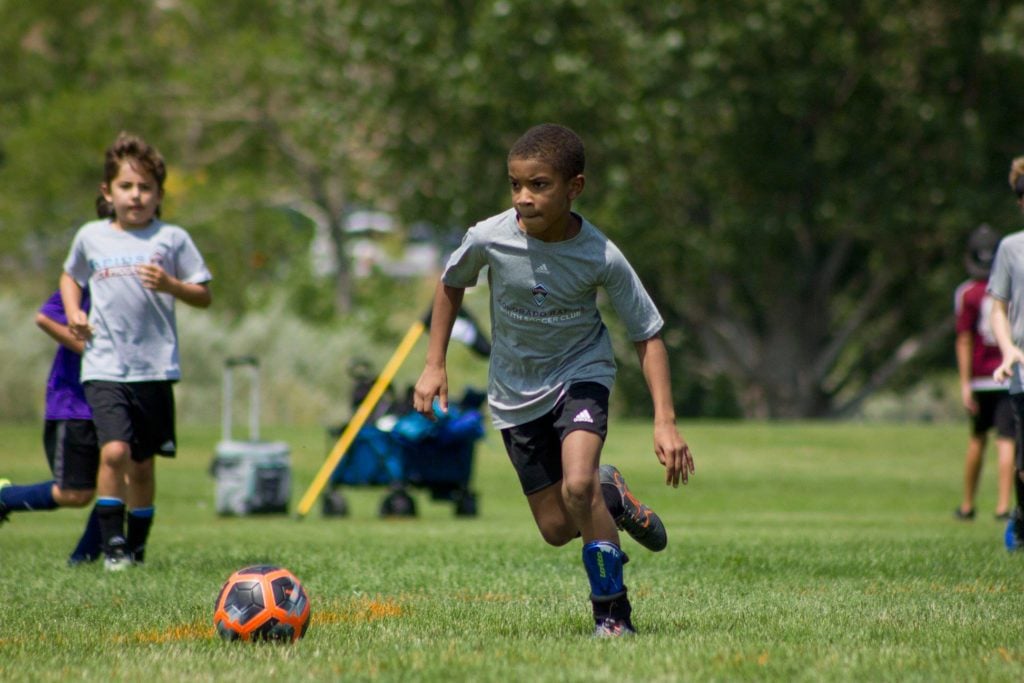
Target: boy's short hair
(553,144)
(1017,176)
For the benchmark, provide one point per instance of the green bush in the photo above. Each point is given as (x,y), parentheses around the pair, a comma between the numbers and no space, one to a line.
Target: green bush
(303,365)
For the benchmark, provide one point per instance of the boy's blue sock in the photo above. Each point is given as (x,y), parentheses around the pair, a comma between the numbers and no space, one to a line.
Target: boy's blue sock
(28,497)
(88,548)
(140,520)
(603,561)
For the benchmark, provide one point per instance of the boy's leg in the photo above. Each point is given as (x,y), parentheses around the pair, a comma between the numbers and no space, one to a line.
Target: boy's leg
(89,546)
(557,468)
(581,488)
(110,503)
(603,561)
(1014,535)
(153,420)
(63,441)
(972,470)
(1006,442)
(25,498)
(141,494)
(1005,451)
(76,464)
(602,555)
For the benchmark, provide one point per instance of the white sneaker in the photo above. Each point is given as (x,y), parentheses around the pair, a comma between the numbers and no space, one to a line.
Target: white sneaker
(116,560)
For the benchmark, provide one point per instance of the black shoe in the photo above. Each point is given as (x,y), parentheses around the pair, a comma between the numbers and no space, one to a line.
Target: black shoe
(966,516)
(638,520)
(1013,537)
(1002,516)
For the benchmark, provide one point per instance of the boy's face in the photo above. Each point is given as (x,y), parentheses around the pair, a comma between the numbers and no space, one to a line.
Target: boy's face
(134,194)
(542,197)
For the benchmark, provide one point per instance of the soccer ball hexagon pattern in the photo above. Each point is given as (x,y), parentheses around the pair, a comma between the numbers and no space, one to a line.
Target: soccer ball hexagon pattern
(262,603)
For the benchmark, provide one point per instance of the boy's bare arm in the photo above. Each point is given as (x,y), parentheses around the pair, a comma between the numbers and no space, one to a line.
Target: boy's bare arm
(669,445)
(964,347)
(71,297)
(60,333)
(433,381)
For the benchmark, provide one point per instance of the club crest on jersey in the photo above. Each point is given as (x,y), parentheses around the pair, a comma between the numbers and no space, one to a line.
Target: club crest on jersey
(540,292)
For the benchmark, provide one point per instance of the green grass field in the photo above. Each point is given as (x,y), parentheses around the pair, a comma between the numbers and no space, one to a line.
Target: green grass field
(799,552)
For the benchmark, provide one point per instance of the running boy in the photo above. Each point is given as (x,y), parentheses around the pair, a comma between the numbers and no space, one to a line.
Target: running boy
(977,355)
(135,267)
(552,366)
(1006,285)
(69,438)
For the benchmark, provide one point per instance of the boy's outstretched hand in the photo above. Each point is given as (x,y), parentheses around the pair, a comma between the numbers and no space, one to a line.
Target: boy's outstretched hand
(433,382)
(1005,369)
(674,453)
(78,325)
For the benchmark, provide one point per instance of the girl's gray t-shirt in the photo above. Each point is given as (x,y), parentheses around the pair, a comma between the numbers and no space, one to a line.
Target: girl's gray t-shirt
(135,336)
(1006,282)
(546,329)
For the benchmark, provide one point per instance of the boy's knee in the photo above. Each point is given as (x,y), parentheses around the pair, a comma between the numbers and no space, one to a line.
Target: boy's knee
(578,492)
(115,453)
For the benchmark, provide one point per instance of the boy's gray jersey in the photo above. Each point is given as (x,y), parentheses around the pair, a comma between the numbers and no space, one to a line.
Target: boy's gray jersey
(545,326)
(135,336)
(1006,282)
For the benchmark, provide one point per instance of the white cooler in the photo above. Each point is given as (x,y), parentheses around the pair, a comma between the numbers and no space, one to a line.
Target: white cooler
(254,476)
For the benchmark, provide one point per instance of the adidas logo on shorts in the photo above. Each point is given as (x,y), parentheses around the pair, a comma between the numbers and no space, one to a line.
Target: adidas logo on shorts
(583,416)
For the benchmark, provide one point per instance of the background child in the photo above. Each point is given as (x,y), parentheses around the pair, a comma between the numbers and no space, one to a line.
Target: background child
(552,366)
(136,267)
(1006,285)
(977,356)
(69,437)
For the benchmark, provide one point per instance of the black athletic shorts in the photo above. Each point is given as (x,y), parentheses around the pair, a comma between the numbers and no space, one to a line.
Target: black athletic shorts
(139,413)
(73,453)
(535,447)
(994,410)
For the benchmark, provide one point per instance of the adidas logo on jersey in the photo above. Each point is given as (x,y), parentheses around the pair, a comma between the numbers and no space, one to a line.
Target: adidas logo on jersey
(543,269)
(583,416)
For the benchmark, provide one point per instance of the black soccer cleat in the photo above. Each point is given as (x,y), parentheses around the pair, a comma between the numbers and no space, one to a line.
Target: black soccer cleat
(637,520)
(609,627)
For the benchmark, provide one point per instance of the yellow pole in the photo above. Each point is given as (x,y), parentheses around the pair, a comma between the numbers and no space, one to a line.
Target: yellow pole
(360,417)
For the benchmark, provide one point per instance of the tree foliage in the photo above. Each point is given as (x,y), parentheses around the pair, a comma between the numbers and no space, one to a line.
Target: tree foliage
(794,180)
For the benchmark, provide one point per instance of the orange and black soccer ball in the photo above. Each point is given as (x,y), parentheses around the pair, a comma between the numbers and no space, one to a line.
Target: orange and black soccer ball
(262,603)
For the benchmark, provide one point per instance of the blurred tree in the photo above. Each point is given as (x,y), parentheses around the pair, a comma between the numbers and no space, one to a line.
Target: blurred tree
(794,180)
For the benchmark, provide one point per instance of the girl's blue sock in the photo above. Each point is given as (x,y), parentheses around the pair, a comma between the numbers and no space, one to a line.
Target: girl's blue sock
(29,497)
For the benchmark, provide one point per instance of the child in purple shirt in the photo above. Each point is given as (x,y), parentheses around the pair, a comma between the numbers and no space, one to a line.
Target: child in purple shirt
(69,438)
